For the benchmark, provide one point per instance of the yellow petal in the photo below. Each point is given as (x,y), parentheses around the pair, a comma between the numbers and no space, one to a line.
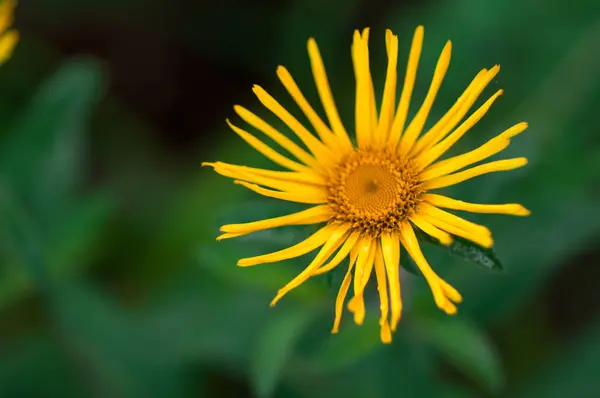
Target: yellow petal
(490,148)
(316,147)
(364,265)
(320,127)
(386,334)
(458,111)
(8,41)
(309,244)
(431,155)
(340,255)
(333,243)
(438,287)
(277,182)
(432,211)
(309,177)
(228,236)
(416,125)
(409,83)
(341,297)
(266,150)
(298,197)
(482,239)
(498,165)
(365,112)
(283,141)
(449,203)
(421,222)
(443,126)
(390,247)
(7,9)
(372,104)
(386,115)
(322,83)
(313,215)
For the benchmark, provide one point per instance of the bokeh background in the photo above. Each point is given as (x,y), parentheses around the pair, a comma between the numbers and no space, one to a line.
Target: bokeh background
(111,282)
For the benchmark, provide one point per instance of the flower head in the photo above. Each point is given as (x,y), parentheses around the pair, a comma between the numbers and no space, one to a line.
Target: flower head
(370,194)
(8,37)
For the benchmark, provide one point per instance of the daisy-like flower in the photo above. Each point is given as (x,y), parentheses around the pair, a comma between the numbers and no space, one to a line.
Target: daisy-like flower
(8,37)
(370,194)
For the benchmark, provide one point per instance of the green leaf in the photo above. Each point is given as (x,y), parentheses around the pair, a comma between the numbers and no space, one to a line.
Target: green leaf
(219,259)
(572,373)
(275,345)
(74,240)
(468,250)
(465,346)
(349,346)
(77,237)
(119,357)
(41,359)
(41,156)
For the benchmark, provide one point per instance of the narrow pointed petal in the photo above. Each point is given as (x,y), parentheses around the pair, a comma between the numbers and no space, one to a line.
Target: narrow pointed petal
(276,136)
(8,42)
(407,89)
(316,147)
(309,244)
(386,115)
(294,184)
(340,255)
(421,222)
(380,274)
(453,179)
(306,177)
(458,111)
(362,273)
(341,297)
(322,83)
(313,215)
(228,236)
(365,110)
(481,239)
(438,150)
(443,126)
(320,127)
(372,103)
(459,222)
(513,209)
(7,13)
(390,248)
(313,197)
(266,150)
(416,125)
(438,286)
(333,243)
(490,148)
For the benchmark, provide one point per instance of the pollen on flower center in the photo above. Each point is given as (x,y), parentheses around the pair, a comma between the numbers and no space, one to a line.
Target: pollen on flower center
(374,190)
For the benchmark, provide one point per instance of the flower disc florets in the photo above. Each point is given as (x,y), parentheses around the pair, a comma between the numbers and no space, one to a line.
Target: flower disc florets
(374,190)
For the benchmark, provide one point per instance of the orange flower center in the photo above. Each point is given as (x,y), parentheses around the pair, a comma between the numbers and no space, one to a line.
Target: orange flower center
(374,190)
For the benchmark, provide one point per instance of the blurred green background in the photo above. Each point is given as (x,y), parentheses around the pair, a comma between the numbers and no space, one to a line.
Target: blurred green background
(111,282)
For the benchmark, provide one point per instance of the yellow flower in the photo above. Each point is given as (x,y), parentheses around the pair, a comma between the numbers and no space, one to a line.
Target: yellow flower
(8,38)
(370,195)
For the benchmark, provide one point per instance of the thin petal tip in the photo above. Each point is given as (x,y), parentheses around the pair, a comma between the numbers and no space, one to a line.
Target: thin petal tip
(446,241)
(244,263)
(450,308)
(386,334)
(488,243)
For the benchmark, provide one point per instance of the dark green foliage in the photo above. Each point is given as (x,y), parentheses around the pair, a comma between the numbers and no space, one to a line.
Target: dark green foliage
(112,283)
